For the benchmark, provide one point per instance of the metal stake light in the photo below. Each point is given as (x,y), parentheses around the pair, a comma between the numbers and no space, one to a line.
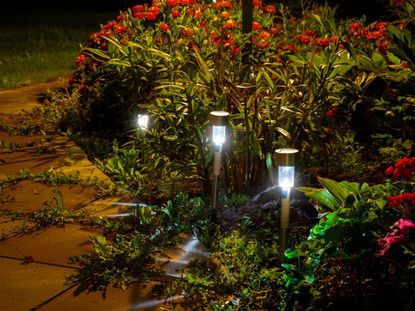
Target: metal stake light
(218,120)
(286,170)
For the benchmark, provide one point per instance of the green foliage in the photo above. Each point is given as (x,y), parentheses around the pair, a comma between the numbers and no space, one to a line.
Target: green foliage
(115,262)
(243,275)
(339,254)
(146,173)
(128,256)
(53,212)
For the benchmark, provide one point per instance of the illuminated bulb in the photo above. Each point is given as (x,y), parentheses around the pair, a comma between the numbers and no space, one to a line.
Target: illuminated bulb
(142,121)
(219,134)
(286,176)
(219,119)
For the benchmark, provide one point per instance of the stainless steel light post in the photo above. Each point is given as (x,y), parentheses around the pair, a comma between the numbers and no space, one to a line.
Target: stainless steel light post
(218,120)
(285,158)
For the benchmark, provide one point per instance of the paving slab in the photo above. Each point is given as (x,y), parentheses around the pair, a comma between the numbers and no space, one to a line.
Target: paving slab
(52,245)
(13,162)
(10,227)
(30,195)
(86,170)
(26,98)
(175,259)
(25,142)
(112,206)
(138,296)
(23,287)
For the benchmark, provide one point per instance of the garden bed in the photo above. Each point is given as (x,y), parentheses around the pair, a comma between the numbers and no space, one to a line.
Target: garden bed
(340,91)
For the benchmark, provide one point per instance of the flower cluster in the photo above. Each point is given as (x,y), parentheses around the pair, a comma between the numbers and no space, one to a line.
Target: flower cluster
(397,236)
(108,30)
(400,199)
(404,169)
(143,12)
(80,60)
(376,32)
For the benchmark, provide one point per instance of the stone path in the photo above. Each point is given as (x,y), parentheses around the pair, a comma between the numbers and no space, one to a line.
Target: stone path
(34,263)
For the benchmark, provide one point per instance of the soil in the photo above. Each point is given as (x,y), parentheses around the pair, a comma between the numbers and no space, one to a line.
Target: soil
(265,207)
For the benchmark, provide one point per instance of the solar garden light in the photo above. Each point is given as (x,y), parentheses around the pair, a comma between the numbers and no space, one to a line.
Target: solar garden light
(286,169)
(218,120)
(142,121)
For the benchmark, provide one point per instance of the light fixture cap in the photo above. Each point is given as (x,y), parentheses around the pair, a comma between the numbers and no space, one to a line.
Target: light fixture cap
(285,156)
(219,118)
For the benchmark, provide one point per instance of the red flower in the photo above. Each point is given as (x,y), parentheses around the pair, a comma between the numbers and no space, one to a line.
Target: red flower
(225,14)
(264,35)
(139,8)
(288,47)
(354,27)
(404,169)
(401,199)
(235,49)
(305,39)
(308,33)
(152,12)
(230,24)
(257,3)
(187,32)
(322,42)
(175,13)
(80,60)
(374,35)
(172,3)
(139,15)
(331,112)
(270,9)
(383,47)
(274,30)
(389,170)
(256,26)
(334,39)
(223,4)
(164,27)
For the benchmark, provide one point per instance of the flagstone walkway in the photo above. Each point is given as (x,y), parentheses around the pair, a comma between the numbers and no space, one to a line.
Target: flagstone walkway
(34,263)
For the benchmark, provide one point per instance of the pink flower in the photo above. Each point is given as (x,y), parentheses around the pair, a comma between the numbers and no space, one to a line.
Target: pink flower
(397,236)
(404,225)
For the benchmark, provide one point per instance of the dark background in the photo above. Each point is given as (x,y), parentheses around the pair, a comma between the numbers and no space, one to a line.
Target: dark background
(346,8)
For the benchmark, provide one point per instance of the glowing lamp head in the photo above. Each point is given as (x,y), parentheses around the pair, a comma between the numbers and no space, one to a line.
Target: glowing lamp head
(142,121)
(286,168)
(219,119)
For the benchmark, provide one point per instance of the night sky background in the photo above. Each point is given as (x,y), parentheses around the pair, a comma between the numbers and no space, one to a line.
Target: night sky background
(349,8)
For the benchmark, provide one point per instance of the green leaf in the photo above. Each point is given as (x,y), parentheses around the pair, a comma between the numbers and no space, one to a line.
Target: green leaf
(339,191)
(378,61)
(393,58)
(321,197)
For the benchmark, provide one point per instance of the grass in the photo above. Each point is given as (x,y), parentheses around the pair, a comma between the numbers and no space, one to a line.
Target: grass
(42,46)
